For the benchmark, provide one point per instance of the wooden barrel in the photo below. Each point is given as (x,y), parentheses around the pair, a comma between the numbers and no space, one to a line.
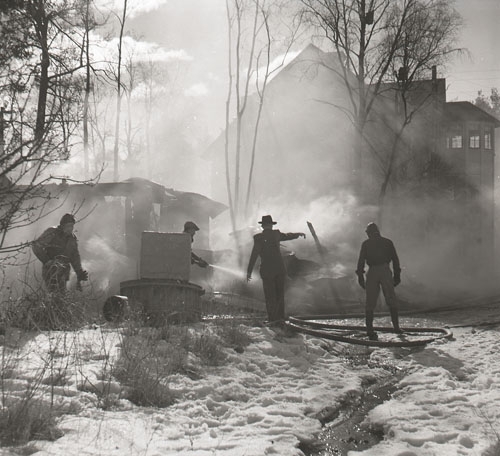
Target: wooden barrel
(164,300)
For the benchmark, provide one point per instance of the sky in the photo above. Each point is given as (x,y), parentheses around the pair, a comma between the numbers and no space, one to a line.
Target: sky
(198,27)
(266,400)
(480,35)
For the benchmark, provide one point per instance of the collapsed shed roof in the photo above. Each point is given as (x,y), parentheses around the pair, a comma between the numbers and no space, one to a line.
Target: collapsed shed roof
(138,186)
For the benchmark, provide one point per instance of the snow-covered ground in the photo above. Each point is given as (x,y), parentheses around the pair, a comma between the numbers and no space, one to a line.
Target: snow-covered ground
(266,400)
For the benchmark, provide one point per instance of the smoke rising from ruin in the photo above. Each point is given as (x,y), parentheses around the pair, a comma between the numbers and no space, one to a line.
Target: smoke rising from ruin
(297,188)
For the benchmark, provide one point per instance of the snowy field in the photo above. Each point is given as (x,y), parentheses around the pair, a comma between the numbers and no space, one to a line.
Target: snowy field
(267,399)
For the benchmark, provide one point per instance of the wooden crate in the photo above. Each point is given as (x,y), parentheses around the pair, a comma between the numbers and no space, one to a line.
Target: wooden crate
(165,256)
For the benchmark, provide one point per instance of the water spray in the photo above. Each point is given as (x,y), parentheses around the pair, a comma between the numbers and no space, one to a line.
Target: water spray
(234,272)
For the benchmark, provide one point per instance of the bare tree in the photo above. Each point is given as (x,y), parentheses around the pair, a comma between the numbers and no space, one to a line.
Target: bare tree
(489,103)
(89,24)
(54,35)
(100,119)
(252,29)
(116,147)
(150,75)
(41,107)
(263,74)
(375,38)
(131,126)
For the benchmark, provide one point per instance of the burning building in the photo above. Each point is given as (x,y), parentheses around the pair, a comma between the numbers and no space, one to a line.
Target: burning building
(113,216)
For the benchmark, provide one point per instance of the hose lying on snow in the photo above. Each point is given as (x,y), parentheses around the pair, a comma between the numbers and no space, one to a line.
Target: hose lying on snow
(353,334)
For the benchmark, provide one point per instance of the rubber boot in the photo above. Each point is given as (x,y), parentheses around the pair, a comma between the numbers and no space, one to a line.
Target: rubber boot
(395,321)
(372,335)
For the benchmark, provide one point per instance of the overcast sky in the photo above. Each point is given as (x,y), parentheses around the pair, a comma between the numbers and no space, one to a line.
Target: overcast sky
(481,36)
(198,28)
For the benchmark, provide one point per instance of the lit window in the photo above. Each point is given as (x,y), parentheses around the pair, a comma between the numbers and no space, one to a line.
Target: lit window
(487,138)
(474,139)
(454,142)
(454,137)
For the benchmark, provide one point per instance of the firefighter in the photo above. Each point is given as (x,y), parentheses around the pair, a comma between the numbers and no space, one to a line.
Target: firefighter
(378,252)
(272,268)
(191,228)
(57,249)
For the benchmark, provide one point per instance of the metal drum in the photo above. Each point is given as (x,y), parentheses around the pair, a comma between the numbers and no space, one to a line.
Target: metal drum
(164,300)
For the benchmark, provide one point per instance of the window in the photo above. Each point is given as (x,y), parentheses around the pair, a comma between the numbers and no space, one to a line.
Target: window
(454,137)
(487,138)
(474,138)
(456,142)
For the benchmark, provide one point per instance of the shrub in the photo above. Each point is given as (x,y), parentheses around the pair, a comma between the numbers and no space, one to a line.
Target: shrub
(37,309)
(234,334)
(145,363)
(493,450)
(207,348)
(27,419)
(149,356)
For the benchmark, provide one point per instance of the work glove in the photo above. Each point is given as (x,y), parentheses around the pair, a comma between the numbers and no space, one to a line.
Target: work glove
(397,278)
(82,276)
(361,280)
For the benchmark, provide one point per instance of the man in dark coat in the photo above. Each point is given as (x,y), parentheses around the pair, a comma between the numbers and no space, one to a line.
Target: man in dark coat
(57,249)
(191,228)
(272,268)
(378,252)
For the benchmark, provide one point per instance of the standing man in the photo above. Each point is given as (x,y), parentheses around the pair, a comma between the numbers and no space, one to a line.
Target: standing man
(57,249)
(378,252)
(272,268)
(191,228)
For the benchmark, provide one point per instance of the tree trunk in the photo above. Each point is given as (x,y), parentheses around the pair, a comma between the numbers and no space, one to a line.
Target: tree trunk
(118,96)
(86,96)
(44,83)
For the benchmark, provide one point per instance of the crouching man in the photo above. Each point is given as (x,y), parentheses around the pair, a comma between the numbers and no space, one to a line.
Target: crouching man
(57,249)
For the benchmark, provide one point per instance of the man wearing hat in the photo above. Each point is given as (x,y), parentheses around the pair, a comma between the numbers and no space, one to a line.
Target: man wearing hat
(378,252)
(272,268)
(57,249)
(191,228)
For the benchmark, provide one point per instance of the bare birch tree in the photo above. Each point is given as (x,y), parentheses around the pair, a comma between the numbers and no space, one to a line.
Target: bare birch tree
(252,45)
(119,94)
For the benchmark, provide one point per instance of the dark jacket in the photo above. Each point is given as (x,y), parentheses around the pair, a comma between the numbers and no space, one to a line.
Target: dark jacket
(267,246)
(377,250)
(54,242)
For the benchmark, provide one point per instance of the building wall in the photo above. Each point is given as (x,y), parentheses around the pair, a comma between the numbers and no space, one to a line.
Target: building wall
(475,164)
(304,140)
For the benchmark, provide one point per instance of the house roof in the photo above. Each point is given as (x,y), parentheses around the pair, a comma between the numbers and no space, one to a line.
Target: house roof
(465,110)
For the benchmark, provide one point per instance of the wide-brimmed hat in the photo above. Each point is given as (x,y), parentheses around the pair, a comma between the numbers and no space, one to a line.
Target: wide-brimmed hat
(191,226)
(267,220)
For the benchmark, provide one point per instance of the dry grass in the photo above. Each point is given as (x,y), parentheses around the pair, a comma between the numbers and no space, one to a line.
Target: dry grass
(27,419)
(40,310)
(149,356)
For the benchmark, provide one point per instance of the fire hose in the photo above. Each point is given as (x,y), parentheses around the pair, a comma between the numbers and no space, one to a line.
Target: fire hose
(353,334)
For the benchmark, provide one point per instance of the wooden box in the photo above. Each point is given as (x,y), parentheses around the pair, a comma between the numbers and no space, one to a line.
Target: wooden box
(165,256)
